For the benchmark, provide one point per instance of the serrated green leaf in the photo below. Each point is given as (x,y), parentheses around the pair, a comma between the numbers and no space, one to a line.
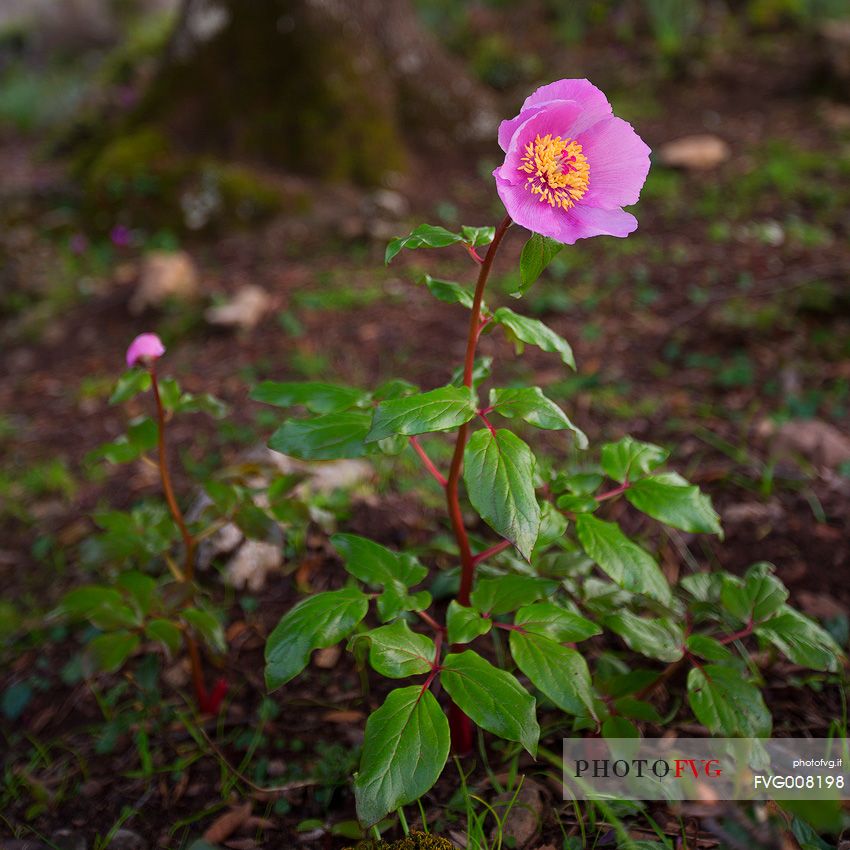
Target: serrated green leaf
(537,253)
(405,748)
(755,598)
(802,640)
(329,437)
(465,624)
(492,698)
(166,632)
(656,638)
(130,384)
(449,292)
(110,651)
(534,332)
(499,476)
(494,596)
(727,704)
(554,622)
(668,498)
(532,406)
(397,652)
(628,458)
(317,397)
(620,558)
(558,671)
(438,410)
(395,599)
(580,484)
(424,236)
(314,623)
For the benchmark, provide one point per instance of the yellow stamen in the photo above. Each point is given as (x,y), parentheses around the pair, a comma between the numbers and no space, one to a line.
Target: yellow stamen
(558,172)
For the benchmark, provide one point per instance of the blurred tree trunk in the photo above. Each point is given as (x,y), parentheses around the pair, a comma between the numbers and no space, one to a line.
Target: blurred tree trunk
(333,88)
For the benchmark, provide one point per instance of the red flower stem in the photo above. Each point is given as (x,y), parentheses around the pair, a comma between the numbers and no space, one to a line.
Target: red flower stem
(493,550)
(165,476)
(452,499)
(459,723)
(610,494)
(188,542)
(429,465)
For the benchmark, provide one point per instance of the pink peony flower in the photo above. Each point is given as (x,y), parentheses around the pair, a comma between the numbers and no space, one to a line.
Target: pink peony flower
(144,349)
(570,165)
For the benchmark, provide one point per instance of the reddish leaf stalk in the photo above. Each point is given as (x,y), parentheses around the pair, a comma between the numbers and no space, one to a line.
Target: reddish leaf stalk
(459,723)
(204,698)
(429,464)
(493,550)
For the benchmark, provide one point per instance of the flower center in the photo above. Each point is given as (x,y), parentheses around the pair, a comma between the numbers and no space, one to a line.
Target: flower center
(558,172)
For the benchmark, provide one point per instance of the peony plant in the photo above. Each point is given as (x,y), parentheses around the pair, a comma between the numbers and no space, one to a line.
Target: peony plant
(559,573)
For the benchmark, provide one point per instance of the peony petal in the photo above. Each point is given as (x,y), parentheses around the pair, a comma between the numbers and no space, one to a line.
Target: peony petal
(594,104)
(556,118)
(588,221)
(580,222)
(619,163)
(510,125)
(143,348)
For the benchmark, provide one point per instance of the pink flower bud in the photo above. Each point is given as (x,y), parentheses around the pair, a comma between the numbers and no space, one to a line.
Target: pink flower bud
(144,349)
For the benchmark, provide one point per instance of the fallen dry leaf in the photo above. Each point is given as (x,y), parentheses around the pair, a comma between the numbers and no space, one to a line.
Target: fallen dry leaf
(225,825)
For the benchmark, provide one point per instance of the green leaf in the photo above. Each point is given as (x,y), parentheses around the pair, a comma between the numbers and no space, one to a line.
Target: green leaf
(480,372)
(438,410)
(558,671)
(532,406)
(707,647)
(329,437)
(554,622)
(396,599)
(757,597)
(103,607)
(620,558)
(477,236)
(130,384)
(110,651)
(537,253)
(141,589)
(621,727)
(202,403)
(315,396)
(580,484)
(494,596)
(499,476)
(449,292)
(394,388)
(802,640)
(375,564)
(637,709)
(629,458)
(207,625)
(668,498)
(492,698)
(397,652)
(141,437)
(577,504)
(534,332)
(314,623)
(166,632)
(425,236)
(404,751)
(465,624)
(727,704)
(656,638)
